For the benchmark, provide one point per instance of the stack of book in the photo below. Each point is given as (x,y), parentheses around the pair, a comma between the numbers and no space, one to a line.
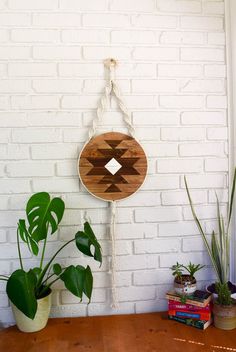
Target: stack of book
(194,310)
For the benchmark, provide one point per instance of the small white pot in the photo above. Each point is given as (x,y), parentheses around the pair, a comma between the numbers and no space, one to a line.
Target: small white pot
(40,320)
(187,288)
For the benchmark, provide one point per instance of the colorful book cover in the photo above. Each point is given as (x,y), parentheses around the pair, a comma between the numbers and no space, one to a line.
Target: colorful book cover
(199,324)
(198,298)
(173,305)
(191,315)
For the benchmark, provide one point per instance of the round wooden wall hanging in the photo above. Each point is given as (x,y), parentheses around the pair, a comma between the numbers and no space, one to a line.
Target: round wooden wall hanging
(112,166)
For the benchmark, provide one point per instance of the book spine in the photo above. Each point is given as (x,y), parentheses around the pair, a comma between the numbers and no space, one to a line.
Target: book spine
(190,315)
(178,299)
(195,323)
(189,307)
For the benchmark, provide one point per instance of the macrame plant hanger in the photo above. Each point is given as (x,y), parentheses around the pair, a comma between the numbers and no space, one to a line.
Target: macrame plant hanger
(109,158)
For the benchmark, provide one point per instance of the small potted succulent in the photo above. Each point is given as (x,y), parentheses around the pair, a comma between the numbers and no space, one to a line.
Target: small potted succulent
(29,292)
(224,308)
(185,283)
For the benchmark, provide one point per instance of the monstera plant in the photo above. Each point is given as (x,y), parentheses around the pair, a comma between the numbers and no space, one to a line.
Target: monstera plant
(26,289)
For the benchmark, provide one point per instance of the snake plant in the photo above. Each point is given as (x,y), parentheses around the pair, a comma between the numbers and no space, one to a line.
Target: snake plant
(25,287)
(219,246)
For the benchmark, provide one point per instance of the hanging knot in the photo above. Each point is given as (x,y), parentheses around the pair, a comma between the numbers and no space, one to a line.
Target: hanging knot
(111,65)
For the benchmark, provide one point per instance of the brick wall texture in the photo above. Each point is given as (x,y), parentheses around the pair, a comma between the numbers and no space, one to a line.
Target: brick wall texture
(171,71)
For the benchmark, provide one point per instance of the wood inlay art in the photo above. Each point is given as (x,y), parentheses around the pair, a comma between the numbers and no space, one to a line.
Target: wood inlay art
(112,166)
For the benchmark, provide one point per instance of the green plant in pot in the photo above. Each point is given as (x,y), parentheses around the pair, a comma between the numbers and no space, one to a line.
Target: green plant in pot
(30,291)
(219,246)
(219,252)
(185,283)
(224,308)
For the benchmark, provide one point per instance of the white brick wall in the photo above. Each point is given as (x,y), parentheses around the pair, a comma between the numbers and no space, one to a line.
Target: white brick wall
(172,71)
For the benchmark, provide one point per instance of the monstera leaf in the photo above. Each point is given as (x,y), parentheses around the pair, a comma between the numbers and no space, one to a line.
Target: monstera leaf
(85,239)
(43,214)
(20,291)
(26,237)
(78,280)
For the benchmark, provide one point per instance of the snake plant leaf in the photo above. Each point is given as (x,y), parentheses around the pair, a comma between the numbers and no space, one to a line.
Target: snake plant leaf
(26,237)
(85,239)
(20,291)
(231,199)
(57,269)
(215,250)
(73,278)
(219,224)
(225,253)
(42,214)
(204,237)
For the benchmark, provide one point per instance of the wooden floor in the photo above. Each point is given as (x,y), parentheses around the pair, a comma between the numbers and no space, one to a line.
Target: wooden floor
(122,333)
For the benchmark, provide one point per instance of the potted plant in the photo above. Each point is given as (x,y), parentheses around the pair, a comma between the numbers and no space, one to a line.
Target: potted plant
(219,246)
(224,308)
(185,284)
(30,291)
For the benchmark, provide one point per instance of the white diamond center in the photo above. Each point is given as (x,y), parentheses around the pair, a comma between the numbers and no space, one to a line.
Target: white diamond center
(113,166)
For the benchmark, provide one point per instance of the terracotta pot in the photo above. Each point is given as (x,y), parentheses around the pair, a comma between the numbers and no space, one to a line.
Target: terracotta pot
(224,316)
(186,288)
(40,320)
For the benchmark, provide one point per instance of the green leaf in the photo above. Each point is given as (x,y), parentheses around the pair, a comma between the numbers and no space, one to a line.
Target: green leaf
(23,232)
(204,237)
(20,290)
(57,269)
(83,243)
(78,280)
(42,213)
(26,237)
(73,278)
(36,271)
(231,199)
(85,239)
(88,283)
(215,249)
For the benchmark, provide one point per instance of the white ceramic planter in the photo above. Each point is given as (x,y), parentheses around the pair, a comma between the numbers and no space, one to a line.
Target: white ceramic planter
(40,320)
(187,289)
(185,286)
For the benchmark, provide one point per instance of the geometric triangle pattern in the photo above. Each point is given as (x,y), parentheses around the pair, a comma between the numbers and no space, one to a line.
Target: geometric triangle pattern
(112,166)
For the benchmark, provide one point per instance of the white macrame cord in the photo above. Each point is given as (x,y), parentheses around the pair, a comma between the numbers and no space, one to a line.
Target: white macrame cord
(113,256)
(112,87)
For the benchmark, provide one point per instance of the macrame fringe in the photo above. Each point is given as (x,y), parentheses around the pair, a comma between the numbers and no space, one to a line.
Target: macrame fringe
(114,303)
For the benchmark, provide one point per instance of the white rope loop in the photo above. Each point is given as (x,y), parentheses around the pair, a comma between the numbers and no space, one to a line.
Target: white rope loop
(102,106)
(111,87)
(123,108)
